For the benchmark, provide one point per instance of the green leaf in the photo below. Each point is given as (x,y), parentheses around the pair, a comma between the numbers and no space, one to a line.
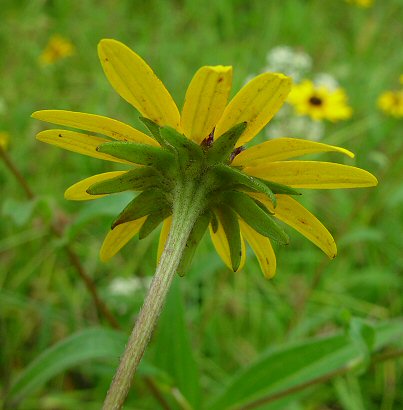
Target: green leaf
(285,367)
(145,203)
(194,239)
(232,176)
(137,153)
(91,344)
(362,334)
(349,393)
(153,220)
(173,349)
(19,212)
(254,216)
(222,147)
(229,221)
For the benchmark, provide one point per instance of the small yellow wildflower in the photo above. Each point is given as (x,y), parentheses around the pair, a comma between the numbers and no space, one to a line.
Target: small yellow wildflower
(361,3)
(391,103)
(4,138)
(197,157)
(319,102)
(57,48)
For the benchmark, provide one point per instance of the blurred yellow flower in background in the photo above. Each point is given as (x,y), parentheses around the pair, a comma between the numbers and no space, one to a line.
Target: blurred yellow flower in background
(319,102)
(361,3)
(391,103)
(58,47)
(4,138)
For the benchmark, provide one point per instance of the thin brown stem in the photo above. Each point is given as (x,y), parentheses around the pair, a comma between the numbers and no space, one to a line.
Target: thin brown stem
(14,170)
(294,389)
(156,393)
(73,257)
(90,285)
(318,380)
(388,355)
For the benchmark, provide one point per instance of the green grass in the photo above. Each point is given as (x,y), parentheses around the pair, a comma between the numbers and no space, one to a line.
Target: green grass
(231,318)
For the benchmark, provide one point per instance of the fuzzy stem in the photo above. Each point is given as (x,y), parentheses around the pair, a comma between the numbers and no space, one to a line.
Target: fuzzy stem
(187,207)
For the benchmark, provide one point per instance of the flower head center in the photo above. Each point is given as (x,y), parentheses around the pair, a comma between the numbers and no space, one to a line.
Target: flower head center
(314,100)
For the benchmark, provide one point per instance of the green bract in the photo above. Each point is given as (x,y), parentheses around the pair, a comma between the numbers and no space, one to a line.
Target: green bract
(178,163)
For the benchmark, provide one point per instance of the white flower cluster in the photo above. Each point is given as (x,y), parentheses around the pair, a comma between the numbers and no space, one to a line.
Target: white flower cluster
(289,61)
(122,286)
(326,80)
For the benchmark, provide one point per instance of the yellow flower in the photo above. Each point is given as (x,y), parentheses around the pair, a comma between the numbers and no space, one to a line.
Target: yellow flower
(57,48)
(391,103)
(319,102)
(361,3)
(4,138)
(204,143)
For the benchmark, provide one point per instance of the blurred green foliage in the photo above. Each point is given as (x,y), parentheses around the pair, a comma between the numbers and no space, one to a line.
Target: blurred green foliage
(227,320)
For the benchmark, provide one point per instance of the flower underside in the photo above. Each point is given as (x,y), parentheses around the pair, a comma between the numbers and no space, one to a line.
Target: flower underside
(201,150)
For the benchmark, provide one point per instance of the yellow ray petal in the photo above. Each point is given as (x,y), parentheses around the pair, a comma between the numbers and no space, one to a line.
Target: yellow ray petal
(221,245)
(81,143)
(166,226)
(205,101)
(313,174)
(283,148)
(94,123)
(297,216)
(262,248)
(77,192)
(134,80)
(118,237)
(255,103)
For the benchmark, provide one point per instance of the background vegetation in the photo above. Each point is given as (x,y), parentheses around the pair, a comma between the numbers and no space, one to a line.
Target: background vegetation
(217,325)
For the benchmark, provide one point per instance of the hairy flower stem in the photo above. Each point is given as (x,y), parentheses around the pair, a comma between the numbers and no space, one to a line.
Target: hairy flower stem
(188,204)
